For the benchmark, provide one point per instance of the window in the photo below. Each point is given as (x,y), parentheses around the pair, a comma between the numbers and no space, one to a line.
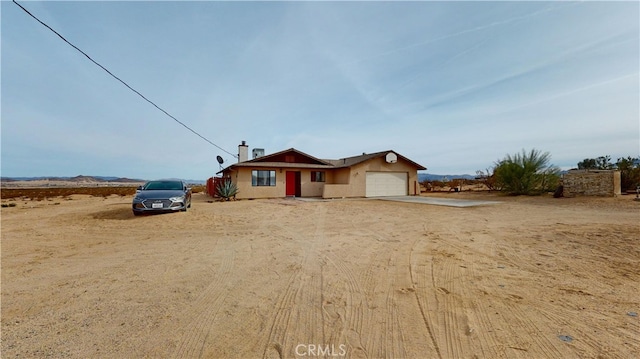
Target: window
(317,176)
(263,178)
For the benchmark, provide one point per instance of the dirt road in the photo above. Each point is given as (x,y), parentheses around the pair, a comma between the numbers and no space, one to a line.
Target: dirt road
(527,278)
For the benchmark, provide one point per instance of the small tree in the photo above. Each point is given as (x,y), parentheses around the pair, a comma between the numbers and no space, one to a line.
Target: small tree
(600,163)
(426,184)
(488,178)
(527,173)
(629,172)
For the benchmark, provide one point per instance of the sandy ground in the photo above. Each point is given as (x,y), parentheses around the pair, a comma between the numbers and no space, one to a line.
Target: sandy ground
(527,278)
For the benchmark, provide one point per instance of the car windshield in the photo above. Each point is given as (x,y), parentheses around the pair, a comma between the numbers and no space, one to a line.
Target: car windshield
(164,185)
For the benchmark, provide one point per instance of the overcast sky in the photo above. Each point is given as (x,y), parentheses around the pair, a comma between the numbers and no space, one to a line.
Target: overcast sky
(454,86)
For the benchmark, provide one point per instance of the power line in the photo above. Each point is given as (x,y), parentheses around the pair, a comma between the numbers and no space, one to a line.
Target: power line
(121,81)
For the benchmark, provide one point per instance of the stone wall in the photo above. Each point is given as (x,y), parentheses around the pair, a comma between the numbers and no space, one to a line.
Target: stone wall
(591,183)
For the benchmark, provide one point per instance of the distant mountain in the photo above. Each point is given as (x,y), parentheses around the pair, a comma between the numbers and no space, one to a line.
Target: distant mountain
(192,181)
(435,177)
(90,179)
(188,181)
(123,179)
(79,179)
(86,179)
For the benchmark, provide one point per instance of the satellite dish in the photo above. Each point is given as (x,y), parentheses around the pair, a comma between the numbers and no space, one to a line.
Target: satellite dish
(220,160)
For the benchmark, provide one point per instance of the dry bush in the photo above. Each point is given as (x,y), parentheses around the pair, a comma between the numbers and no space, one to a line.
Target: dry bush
(42,193)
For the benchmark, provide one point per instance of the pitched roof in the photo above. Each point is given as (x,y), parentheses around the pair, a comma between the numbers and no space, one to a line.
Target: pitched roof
(300,157)
(303,160)
(351,161)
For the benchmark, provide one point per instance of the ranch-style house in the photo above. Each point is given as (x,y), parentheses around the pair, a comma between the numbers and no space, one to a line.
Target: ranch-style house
(292,173)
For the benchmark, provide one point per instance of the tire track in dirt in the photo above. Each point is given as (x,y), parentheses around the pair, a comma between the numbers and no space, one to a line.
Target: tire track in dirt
(454,319)
(298,310)
(441,275)
(538,334)
(281,320)
(345,327)
(394,340)
(525,337)
(422,277)
(379,282)
(203,312)
(603,342)
(479,326)
(374,284)
(380,320)
(359,325)
(393,314)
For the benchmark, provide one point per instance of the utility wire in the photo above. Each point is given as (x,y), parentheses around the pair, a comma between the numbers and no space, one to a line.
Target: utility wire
(124,83)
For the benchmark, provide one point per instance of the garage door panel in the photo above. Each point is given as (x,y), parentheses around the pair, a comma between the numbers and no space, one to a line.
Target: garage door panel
(386,184)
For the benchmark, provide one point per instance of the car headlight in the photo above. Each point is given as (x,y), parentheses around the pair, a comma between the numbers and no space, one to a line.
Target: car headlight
(177,199)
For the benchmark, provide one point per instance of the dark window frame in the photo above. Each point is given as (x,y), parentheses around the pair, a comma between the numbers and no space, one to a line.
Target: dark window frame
(263,178)
(318,176)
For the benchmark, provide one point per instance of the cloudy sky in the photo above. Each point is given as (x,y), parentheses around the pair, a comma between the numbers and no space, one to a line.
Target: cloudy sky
(454,86)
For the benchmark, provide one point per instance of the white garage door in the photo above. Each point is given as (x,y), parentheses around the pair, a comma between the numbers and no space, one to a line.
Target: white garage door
(387,184)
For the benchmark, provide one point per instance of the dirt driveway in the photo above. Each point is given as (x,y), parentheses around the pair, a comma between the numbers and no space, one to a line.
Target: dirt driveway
(528,278)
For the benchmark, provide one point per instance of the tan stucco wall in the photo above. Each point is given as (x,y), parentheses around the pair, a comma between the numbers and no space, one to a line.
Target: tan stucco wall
(355,178)
(340,176)
(358,174)
(336,191)
(342,182)
(308,188)
(242,178)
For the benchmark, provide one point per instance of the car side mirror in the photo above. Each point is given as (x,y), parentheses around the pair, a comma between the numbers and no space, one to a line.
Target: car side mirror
(139,188)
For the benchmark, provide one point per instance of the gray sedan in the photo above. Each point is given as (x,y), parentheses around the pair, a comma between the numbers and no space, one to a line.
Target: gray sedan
(161,196)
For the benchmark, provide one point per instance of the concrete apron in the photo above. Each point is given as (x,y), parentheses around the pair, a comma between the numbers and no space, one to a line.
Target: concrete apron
(438,201)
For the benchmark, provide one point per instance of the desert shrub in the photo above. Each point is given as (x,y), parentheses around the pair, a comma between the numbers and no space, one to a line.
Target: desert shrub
(600,163)
(426,184)
(629,172)
(226,190)
(198,188)
(527,173)
(488,178)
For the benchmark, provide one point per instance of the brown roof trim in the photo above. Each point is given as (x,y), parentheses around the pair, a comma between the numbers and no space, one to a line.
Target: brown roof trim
(324,164)
(351,161)
(281,165)
(266,157)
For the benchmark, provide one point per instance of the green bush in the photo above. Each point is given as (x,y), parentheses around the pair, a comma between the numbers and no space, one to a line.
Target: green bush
(227,190)
(527,173)
(629,172)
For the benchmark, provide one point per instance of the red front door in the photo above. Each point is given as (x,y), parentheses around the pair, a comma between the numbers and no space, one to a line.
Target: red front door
(293,183)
